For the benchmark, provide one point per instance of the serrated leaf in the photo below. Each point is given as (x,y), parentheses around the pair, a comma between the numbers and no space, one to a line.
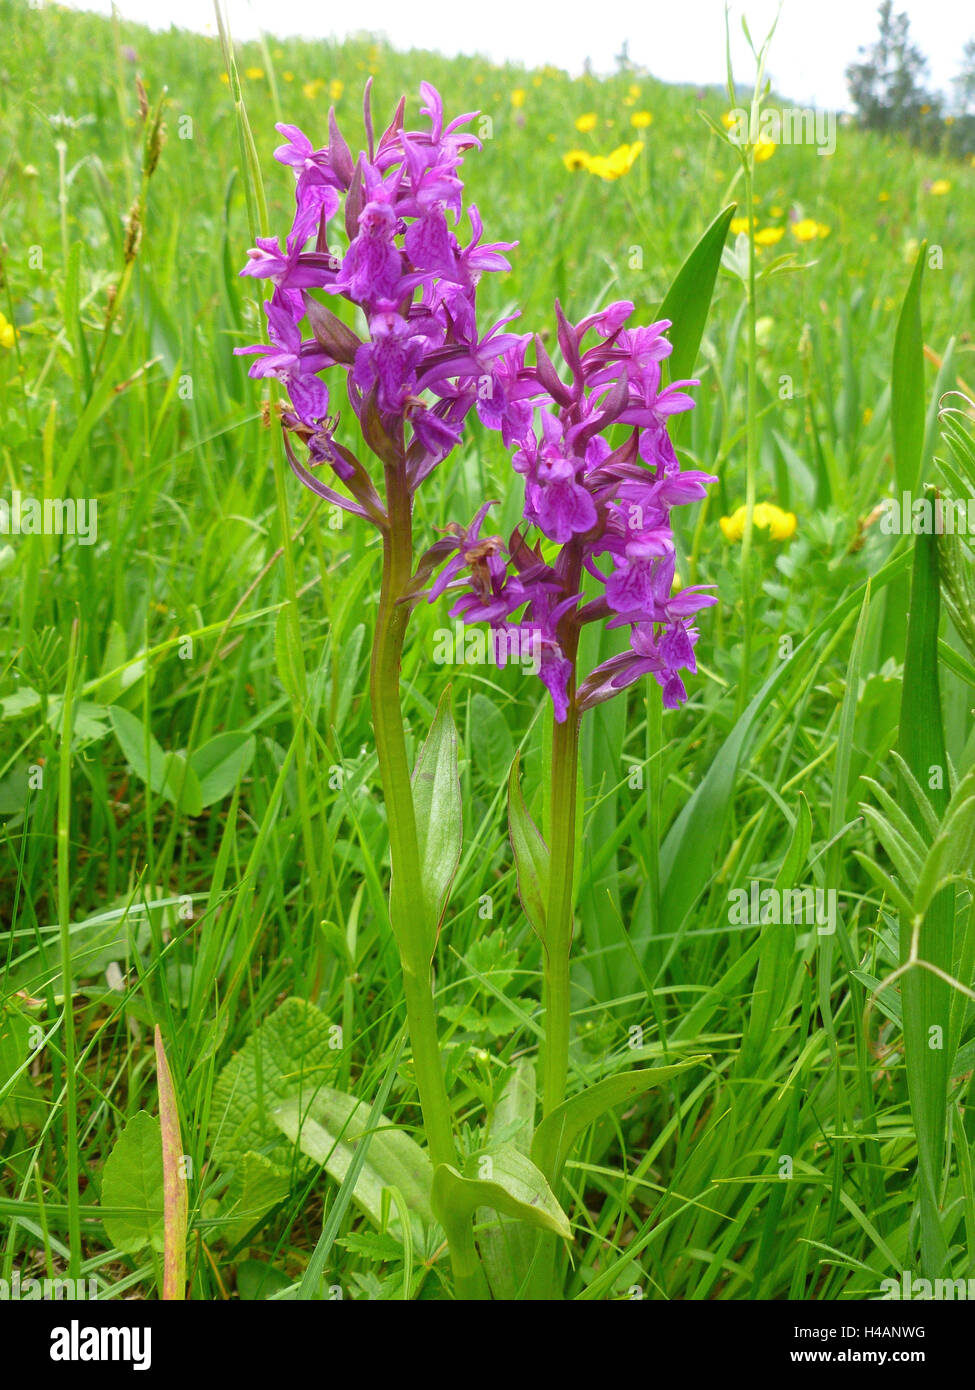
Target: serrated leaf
(531,855)
(133,1178)
(562,1126)
(257,1186)
(515,1187)
(288,1056)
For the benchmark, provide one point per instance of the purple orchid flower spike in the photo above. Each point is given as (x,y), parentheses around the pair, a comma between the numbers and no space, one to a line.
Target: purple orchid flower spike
(425,364)
(596,503)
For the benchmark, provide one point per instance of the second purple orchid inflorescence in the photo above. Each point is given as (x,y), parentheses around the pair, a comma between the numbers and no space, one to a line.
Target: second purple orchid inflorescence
(590,500)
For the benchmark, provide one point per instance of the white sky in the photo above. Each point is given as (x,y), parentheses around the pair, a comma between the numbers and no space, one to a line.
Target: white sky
(678,40)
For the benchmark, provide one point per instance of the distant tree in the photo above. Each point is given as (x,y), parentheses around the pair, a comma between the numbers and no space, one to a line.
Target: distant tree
(962,136)
(964,83)
(887,85)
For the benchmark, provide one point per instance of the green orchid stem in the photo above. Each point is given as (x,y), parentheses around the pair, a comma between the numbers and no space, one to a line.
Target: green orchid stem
(558,919)
(415,935)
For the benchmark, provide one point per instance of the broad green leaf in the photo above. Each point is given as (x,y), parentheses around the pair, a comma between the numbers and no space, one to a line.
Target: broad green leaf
(256,1187)
(167,774)
(327,1129)
(511,1184)
(688,300)
(562,1126)
(531,855)
(133,1178)
(907,383)
(439,811)
(291,1055)
(220,763)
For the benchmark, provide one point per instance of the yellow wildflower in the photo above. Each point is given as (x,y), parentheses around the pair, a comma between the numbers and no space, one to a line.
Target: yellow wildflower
(311,89)
(766,516)
(883,196)
(619,162)
(806,230)
(940,187)
(575,159)
(775,212)
(224,78)
(288,76)
(633,90)
(335,89)
(739,225)
(518,98)
(764,149)
(254,74)
(769,236)
(537,80)
(641,119)
(8,334)
(586,122)
(729,119)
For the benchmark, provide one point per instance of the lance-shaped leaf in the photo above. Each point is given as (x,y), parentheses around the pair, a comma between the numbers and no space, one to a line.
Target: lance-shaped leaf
(907,400)
(511,1184)
(688,300)
(562,1126)
(439,811)
(531,855)
(327,1128)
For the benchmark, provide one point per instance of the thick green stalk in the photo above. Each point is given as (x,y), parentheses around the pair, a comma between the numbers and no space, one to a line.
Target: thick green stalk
(558,920)
(562,835)
(414,935)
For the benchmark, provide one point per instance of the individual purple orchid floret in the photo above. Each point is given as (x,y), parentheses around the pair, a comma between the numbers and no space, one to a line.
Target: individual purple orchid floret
(595,502)
(425,363)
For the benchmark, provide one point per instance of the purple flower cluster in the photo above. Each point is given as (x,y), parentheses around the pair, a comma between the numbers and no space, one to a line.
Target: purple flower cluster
(424,364)
(591,502)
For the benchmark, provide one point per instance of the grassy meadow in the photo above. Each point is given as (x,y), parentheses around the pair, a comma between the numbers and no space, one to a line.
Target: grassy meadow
(192,831)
